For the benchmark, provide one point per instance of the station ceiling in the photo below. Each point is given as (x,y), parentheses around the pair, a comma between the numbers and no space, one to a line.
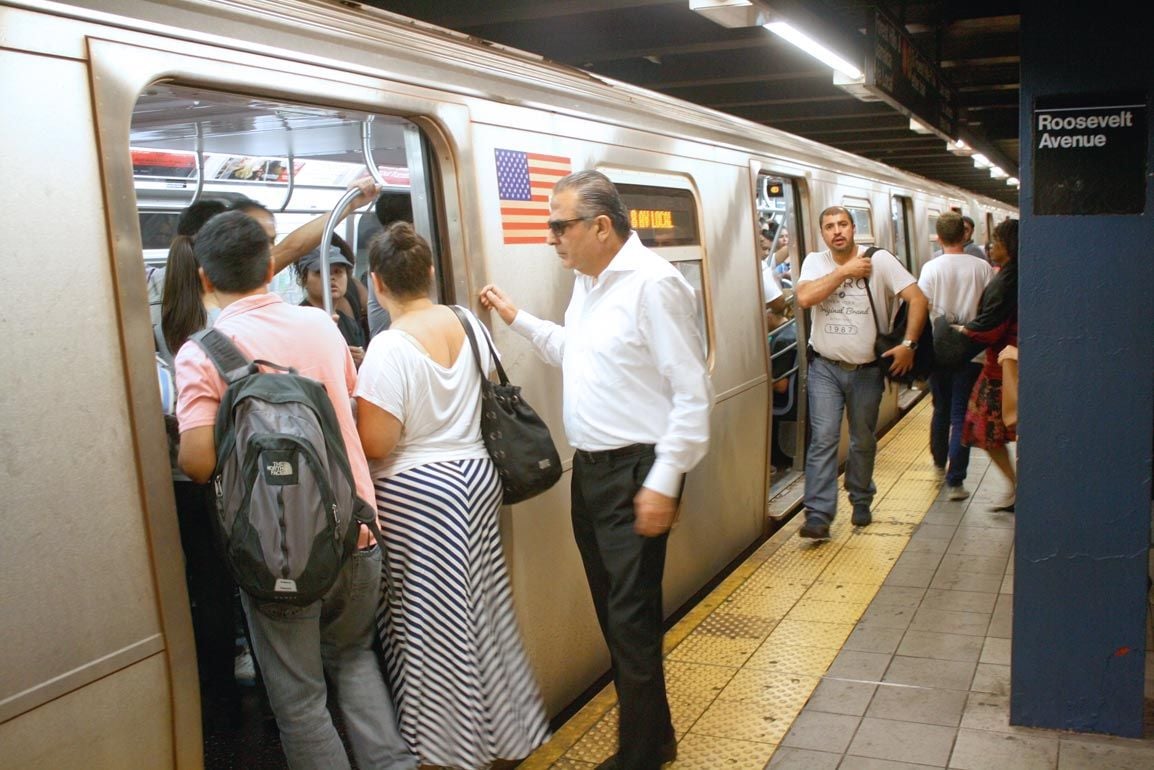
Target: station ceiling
(665,46)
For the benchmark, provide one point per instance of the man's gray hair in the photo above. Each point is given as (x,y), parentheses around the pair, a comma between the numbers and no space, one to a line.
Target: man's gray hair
(597,196)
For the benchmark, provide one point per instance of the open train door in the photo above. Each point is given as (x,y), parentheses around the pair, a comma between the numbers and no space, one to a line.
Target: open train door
(780,238)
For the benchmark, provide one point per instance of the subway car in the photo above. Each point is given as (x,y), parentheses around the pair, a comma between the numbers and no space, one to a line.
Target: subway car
(119,113)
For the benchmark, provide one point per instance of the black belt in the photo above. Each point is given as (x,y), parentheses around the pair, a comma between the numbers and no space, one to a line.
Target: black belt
(843,364)
(606,455)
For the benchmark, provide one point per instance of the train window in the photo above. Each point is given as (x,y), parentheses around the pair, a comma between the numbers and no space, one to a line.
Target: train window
(934,214)
(662,216)
(297,160)
(665,219)
(900,208)
(863,225)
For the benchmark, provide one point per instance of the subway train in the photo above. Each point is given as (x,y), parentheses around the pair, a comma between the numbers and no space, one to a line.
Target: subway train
(119,113)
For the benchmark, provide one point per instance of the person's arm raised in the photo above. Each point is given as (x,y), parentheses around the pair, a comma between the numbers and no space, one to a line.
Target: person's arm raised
(308,236)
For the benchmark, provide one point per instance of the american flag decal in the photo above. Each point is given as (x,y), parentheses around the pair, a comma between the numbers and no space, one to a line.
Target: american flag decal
(524,182)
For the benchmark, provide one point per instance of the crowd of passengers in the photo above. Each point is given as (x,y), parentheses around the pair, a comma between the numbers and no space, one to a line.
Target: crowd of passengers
(462,687)
(455,689)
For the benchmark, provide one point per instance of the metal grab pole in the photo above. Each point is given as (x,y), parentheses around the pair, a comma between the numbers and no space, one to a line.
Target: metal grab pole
(288,193)
(326,240)
(367,150)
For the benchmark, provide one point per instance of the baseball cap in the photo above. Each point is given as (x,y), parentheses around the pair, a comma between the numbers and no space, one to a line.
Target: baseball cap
(312,260)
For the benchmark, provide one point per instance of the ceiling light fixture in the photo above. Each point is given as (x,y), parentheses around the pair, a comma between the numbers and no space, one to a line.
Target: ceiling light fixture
(959,147)
(919,127)
(1013,181)
(981,161)
(814,48)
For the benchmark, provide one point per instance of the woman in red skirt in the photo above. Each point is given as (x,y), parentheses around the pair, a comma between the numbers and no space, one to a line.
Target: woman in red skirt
(995,326)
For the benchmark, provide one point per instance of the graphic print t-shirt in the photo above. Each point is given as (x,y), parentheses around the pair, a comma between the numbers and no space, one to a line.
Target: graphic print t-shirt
(843,325)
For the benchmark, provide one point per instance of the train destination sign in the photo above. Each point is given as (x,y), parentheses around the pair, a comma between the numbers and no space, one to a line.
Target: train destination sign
(901,75)
(1090,154)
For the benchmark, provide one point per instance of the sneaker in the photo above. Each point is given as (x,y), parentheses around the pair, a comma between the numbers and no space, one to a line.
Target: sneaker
(956,492)
(861,515)
(243,669)
(940,472)
(814,529)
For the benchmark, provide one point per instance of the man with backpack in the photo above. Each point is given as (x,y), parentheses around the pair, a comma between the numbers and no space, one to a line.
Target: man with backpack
(292,504)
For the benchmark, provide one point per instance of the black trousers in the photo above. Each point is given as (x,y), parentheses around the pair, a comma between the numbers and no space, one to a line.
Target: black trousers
(624,572)
(211,593)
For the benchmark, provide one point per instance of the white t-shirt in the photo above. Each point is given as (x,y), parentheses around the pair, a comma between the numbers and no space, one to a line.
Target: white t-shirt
(439,407)
(953,283)
(843,324)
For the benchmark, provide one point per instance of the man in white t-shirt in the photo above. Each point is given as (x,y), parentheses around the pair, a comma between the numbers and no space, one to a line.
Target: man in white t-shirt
(844,376)
(953,283)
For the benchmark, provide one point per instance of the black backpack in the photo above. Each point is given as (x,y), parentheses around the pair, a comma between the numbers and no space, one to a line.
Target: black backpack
(287,510)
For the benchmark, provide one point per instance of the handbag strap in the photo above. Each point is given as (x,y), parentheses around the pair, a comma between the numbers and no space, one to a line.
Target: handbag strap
(464,318)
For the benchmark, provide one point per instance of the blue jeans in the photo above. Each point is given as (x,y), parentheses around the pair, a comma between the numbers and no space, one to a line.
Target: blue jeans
(951,392)
(832,392)
(295,646)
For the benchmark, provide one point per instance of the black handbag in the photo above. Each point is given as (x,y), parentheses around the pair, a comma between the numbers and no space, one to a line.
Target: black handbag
(923,353)
(952,349)
(518,441)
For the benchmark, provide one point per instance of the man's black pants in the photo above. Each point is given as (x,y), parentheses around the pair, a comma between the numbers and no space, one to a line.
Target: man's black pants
(624,571)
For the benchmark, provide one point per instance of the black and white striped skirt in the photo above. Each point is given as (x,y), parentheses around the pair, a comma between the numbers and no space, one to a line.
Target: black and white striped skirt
(464,691)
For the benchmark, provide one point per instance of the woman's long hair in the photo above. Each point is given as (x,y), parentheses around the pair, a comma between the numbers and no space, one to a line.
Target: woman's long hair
(182,311)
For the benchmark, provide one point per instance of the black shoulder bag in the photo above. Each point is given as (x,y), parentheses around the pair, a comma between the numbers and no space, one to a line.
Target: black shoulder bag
(517,439)
(923,353)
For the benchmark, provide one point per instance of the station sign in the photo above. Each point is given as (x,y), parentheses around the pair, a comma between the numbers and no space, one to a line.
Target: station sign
(1090,154)
(901,75)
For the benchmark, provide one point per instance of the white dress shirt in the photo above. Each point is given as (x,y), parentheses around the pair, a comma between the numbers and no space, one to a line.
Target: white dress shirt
(633,363)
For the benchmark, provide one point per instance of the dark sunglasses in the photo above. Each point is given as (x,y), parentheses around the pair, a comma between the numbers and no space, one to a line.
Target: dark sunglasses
(559,226)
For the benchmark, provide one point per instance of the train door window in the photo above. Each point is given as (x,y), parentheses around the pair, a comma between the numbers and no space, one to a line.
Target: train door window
(296,160)
(859,212)
(933,223)
(665,219)
(779,257)
(900,207)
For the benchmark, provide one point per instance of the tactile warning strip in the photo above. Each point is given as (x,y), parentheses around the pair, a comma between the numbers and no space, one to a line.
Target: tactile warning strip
(741,664)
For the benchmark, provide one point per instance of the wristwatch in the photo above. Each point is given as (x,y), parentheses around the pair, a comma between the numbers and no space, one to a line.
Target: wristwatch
(911,344)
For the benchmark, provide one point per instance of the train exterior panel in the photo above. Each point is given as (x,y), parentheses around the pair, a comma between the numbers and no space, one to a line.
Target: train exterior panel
(93,587)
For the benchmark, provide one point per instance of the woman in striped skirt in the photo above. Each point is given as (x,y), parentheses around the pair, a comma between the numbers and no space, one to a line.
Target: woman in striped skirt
(465,693)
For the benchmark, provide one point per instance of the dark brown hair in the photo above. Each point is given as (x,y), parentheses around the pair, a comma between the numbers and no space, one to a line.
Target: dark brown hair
(402,259)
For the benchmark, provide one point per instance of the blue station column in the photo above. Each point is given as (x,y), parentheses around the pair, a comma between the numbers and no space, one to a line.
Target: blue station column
(1087,368)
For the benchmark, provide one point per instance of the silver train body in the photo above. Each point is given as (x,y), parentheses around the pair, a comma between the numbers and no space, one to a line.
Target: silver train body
(98,667)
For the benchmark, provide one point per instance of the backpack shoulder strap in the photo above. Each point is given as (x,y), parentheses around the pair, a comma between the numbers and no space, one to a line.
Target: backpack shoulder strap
(227,358)
(869,292)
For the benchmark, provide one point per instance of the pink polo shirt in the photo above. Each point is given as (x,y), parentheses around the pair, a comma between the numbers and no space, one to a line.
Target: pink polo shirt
(266,327)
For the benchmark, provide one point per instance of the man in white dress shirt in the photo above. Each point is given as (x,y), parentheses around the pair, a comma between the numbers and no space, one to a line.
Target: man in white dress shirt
(636,408)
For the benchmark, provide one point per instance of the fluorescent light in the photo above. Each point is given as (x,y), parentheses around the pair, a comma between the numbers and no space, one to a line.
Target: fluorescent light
(959,147)
(997,173)
(919,127)
(814,48)
(1013,182)
(981,161)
